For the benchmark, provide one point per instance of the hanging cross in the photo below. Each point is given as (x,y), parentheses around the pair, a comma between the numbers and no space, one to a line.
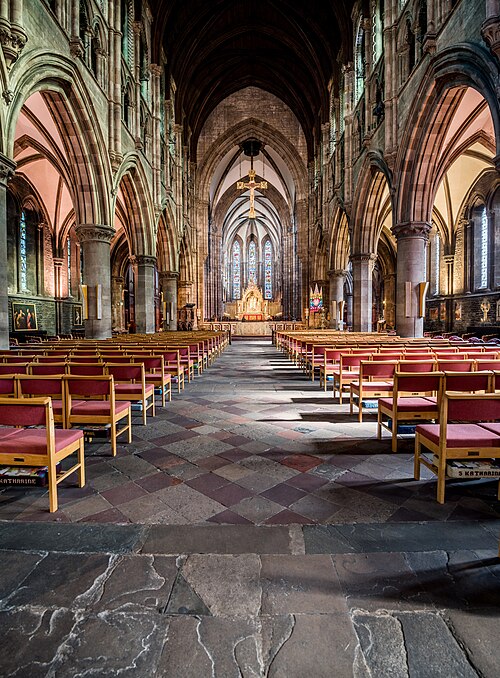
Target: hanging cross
(251,186)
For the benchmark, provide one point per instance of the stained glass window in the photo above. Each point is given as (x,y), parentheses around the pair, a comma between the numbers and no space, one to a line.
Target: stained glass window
(236,270)
(69,266)
(252,263)
(359,64)
(268,270)
(23,271)
(437,261)
(484,248)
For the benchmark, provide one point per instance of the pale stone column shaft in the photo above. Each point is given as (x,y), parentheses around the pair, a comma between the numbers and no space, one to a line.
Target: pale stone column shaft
(145,294)
(117,309)
(411,268)
(362,269)
(168,282)
(95,240)
(7,168)
(337,280)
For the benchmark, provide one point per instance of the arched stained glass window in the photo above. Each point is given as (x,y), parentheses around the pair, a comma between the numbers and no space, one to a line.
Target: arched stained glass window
(437,262)
(69,266)
(484,237)
(252,263)
(236,270)
(268,270)
(359,63)
(23,261)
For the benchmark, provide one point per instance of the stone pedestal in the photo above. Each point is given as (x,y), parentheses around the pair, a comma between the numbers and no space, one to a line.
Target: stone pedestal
(7,168)
(337,280)
(411,270)
(145,294)
(95,242)
(362,269)
(168,284)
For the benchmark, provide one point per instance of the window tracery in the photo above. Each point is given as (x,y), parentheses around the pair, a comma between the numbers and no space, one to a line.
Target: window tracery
(236,270)
(268,270)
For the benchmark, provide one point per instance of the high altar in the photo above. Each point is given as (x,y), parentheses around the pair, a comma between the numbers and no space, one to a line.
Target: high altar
(252,306)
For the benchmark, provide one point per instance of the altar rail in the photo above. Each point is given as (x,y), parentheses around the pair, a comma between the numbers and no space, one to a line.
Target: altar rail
(265,328)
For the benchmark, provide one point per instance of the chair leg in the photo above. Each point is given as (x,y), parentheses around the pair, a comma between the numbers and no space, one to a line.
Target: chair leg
(129,428)
(163,403)
(394,437)
(360,408)
(144,411)
(379,425)
(441,479)
(416,459)
(81,461)
(52,477)
(113,439)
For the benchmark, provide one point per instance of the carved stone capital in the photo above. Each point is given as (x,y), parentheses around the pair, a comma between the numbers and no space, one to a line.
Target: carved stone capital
(145,260)
(490,30)
(155,70)
(94,233)
(364,257)
(337,273)
(76,48)
(168,275)
(7,170)
(58,262)
(412,229)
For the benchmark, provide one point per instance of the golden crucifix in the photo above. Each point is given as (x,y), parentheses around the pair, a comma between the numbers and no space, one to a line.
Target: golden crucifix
(251,186)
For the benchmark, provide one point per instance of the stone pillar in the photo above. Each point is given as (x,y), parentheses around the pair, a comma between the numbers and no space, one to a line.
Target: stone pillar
(95,242)
(7,168)
(411,270)
(348,303)
(449,260)
(337,280)
(58,286)
(145,294)
(117,317)
(362,269)
(168,283)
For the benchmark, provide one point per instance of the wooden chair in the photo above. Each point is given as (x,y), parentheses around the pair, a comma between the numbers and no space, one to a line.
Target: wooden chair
(14,368)
(47,369)
(375,380)
(172,363)
(347,371)
(86,369)
(43,446)
(43,386)
(414,398)
(154,367)
(130,385)
(472,438)
(91,400)
(8,386)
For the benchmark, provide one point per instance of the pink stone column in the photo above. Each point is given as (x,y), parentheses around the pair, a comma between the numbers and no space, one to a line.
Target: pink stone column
(168,284)
(95,240)
(337,280)
(411,270)
(362,269)
(145,294)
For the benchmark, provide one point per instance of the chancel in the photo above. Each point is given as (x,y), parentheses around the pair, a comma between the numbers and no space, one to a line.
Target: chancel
(250,338)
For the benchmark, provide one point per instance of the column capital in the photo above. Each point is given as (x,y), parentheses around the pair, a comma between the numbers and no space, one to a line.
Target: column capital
(412,229)
(145,260)
(58,262)
(337,273)
(168,275)
(94,232)
(364,257)
(7,170)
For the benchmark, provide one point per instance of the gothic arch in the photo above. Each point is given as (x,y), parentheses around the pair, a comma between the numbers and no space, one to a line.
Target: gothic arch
(448,74)
(340,246)
(65,94)
(167,246)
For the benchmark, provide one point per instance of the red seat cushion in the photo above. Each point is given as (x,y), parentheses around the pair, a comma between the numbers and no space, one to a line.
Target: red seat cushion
(460,435)
(6,432)
(494,428)
(98,408)
(132,389)
(57,407)
(34,441)
(374,385)
(410,404)
(153,376)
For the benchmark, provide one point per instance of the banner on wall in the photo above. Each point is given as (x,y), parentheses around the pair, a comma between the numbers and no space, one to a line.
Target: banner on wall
(315,298)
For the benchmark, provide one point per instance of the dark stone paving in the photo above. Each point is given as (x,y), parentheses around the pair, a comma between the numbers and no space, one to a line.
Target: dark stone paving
(251,530)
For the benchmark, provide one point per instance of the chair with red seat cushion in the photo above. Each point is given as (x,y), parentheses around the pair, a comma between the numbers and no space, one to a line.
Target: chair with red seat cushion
(47,369)
(414,398)
(8,386)
(348,370)
(43,386)
(375,380)
(43,446)
(454,365)
(14,368)
(86,369)
(130,384)
(154,367)
(91,400)
(470,437)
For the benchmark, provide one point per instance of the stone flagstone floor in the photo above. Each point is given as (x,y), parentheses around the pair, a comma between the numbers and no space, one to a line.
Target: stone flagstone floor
(252,530)
(252,441)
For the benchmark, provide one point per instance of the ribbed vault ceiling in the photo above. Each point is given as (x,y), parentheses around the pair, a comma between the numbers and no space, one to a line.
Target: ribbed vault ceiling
(219,47)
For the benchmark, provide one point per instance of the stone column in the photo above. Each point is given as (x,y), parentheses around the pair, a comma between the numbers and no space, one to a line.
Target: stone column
(145,294)
(95,242)
(117,318)
(337,280)
(7,168)
(168,283)
(449,260)
(349,305)
(362,269)
(411,270)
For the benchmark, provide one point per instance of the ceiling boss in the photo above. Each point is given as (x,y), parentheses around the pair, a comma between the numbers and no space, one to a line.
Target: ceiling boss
(251,147)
